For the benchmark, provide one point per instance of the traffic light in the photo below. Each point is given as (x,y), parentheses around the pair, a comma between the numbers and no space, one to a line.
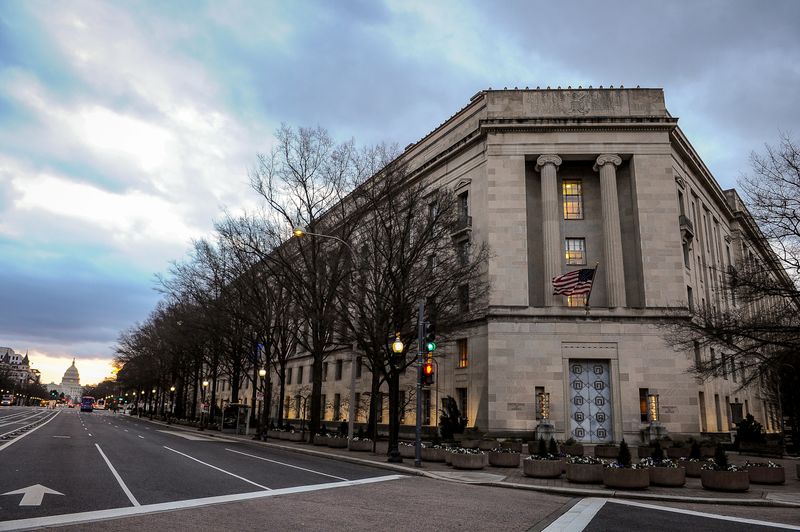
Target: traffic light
(430,327)
(427,374)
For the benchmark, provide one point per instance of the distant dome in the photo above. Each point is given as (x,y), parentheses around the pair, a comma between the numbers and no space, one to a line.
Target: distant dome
(71,376)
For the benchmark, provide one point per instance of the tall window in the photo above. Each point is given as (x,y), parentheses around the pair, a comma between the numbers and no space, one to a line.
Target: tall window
(339,369)
(463,298)
(337,407)
(575,250)
(572,190)
(463,353)
(539,391)
(577,300)
(461,393)
(463,252)
(324,371)
(380,407)
(324,409)
(289,376)
(297,405)
(358,404)
(690,298)
(463,205)
(698,357)
(300,375)
(643,404)
(359,363)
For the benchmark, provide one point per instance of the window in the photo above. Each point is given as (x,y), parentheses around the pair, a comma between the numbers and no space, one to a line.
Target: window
(717,412)
(463,205)
(733,368)
(289,376)
(577,300)
(300,375)
(572,190)
(701,398)
(433,210)
(575,250)
(539,390)
(686,254)
(463,252)
(714,368)
(698,356)
(337,407)
(723,362)
(339,370)
(463,298)
(287,405)
(324,371)
(359,363)
(461,393)
(689,298)
(323,407)
(463,353)
(426,407)
(643,404)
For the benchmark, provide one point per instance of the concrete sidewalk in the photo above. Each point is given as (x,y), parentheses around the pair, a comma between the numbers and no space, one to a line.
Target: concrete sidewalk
(786,495)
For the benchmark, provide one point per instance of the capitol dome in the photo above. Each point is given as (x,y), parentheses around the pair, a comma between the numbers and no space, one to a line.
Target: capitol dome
(71,376)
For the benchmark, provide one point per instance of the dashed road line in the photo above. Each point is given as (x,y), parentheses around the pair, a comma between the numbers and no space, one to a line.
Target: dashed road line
(218,469)
(287,465)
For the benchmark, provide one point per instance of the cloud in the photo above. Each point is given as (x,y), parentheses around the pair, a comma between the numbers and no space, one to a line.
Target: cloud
(53,366)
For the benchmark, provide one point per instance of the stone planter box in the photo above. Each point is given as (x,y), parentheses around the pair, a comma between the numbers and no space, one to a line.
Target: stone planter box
(275,434)
(767,475)
(434,455)
(504,459)
(693,469)
(585,473)
(725,480)
(361,446)
(644,451)
(468,461)
(488,445)
(542,468)
(448,458)
(670,477)
(678,452)
(407,451)
(707,452)
(382,448)
(320,440)
(337,443)
(470,444)
(293,436)
(626,479)
(606,451)
(574,450)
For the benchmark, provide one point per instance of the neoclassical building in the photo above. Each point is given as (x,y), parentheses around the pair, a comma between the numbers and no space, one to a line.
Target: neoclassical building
(70,384)
(566,179)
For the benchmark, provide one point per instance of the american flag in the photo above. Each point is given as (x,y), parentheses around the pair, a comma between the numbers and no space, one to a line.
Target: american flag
(574,282)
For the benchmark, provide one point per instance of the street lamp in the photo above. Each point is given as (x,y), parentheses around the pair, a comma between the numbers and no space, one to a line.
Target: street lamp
(300,232)
(262,373)
(203,405)
(171,404)
(397,345)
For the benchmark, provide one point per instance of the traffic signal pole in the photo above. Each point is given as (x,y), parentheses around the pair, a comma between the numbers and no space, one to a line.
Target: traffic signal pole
(420,352)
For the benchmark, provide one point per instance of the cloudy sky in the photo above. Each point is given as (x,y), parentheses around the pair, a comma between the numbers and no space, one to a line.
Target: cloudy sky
(125,127)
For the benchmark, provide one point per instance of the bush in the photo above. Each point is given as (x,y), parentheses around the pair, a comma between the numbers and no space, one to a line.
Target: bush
(553,447)
(720,458)
(658,452)
(542,449)
(750,431)
(694,452)
(624,456)
(451,421)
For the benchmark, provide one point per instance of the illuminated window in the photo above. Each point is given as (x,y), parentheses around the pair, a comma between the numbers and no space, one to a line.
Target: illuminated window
(575,250)
(577,300)
(572,191)
(463,353)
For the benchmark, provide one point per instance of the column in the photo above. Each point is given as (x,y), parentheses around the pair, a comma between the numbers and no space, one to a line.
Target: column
(612,237)
(547,166)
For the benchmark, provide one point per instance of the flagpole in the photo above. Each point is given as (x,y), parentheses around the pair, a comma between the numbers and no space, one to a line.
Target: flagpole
(591,287)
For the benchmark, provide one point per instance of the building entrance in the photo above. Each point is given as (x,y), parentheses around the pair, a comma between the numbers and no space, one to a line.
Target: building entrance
(590,401)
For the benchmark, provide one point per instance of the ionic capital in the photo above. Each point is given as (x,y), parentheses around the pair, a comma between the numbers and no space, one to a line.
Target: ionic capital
(605,159)
(548,158)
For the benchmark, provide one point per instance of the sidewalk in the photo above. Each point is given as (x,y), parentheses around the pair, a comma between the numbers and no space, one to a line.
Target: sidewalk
(786,495)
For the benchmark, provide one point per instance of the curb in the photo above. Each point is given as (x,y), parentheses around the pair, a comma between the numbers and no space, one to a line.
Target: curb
(580,492)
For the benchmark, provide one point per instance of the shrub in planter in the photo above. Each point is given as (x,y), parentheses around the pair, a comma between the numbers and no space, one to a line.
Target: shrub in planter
(765,472)
(433,453)
(407,450)
(500,457)
(543,466)
(692,466)
(584,469)
(664,472)
(513,445)
(320,439)
(294,435)
(487,445)
(718,475)
(572,448)
(678,450)
(622,474)
(468,458)
(707,449)
(644,451)
(337,442)
(606,451)
(552,447)
(470,443)
(361,444)
(694,451)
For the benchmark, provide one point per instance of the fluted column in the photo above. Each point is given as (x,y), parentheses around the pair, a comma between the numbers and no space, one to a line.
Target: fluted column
(612,237)
(548,165)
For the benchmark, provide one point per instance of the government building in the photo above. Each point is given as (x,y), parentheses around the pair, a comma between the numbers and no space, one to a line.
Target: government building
(70,384)
(557,180)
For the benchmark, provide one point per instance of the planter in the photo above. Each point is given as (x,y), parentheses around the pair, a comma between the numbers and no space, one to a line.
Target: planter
(678,452)
(337,443)
(293,436)
(407,451)
(767,475)
(542,468)
(361,446)
(575,449)
(644,451)
(707,452)
(488,445)
(585,473)
(468,461)
(470,444)
(513,445)
(504,459)
(797,471)
(275,434)
(382,448)
(693,469)
(606,451)
(321,440)
(448,458)
(671,477)
(434,455)
(725,480)
(626,479)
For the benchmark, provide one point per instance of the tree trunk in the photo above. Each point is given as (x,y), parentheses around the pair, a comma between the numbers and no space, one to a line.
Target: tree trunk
(374,404)
(316,396)
(282,416)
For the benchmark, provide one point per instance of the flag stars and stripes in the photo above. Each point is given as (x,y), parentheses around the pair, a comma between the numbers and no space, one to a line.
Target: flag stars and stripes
(574,282)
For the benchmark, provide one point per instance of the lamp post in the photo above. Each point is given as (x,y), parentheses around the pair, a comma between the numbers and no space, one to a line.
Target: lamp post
(152,401)
(300,232)
(203,406)
(262,428)
(394,452)
(171,405)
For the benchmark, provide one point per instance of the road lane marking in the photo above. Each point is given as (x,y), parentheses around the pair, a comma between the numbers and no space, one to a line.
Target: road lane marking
(706,515)
(90,434)
(287,465)
(126,430)
(33,495)
(119,478)
(65,437)
(34,429)
(578,517)
(102,515)
(218,469)
(193,437)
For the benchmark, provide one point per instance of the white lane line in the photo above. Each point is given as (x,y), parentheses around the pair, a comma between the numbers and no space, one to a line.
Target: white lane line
(90,434)
(142,437)
(578,517)
(126,430)
(119,478)
(703,514)
(34,429)
(101,515)
(218,469)
(287,465)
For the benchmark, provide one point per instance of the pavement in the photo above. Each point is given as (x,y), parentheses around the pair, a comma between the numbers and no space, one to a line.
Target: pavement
(786,495)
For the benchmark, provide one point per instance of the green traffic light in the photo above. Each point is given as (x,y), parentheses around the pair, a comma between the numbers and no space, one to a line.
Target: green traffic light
(430,346)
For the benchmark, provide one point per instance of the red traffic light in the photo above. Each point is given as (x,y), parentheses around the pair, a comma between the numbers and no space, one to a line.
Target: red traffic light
(427,374)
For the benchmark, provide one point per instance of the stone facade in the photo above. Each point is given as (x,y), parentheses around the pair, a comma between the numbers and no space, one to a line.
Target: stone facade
(653,220)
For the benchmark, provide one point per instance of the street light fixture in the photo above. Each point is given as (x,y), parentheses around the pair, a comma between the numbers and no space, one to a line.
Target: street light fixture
(203,406)
(397,345)
(171,404)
